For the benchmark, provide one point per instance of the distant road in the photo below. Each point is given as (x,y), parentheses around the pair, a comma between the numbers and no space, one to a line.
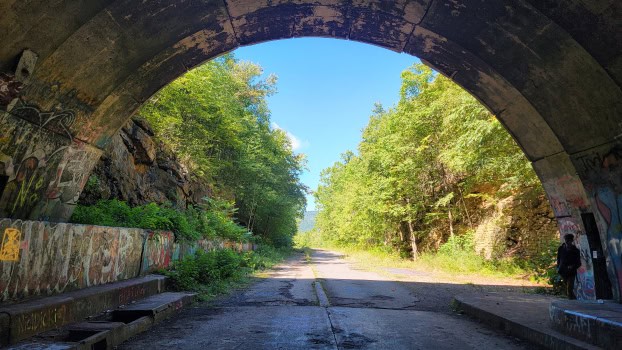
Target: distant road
(324,303)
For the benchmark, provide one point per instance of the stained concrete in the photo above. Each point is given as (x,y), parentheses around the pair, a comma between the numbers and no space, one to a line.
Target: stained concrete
(282,311)
(522,315)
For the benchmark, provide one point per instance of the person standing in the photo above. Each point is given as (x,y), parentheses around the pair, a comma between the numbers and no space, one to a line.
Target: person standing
(568,261)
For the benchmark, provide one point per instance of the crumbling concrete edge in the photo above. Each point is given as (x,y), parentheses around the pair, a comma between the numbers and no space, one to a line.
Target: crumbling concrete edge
(26,319)
(547,339)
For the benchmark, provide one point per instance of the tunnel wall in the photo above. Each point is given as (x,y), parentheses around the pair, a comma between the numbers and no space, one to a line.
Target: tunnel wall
(600,170)
(575,185)
(40,258)
(42,171)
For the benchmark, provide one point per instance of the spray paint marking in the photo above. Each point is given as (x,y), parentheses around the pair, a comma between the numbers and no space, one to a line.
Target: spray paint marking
(9,251)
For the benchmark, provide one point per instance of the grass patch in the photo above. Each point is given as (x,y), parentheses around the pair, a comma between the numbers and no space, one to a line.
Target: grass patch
(456,257)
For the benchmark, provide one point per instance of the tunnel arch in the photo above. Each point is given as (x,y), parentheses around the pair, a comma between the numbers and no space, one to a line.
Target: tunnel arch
(551,71)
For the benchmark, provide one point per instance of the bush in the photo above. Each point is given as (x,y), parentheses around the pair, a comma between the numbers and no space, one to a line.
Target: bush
(458,255)
(211,220)
(209,273)
(545,269)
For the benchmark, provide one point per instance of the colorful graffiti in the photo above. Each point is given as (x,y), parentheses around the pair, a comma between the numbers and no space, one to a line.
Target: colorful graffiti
(157,251)
(10,88)
(568,200)
(601,171)
(62,257)
(609,206)
(53,258)
(584,289)
(9,249)
(45,171)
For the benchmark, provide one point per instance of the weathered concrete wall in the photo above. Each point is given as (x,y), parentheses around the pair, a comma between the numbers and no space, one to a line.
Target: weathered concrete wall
(600,169)
(51,258)
(42,258)
(44,172)
(576,185)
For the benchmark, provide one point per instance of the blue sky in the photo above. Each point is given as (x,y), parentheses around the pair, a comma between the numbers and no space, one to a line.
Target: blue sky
(326,92)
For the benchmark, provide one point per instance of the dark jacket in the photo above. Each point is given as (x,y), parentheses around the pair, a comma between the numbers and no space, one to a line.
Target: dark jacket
(568,260)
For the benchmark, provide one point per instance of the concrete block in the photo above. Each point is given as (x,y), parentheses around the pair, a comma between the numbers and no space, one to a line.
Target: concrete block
(37,316)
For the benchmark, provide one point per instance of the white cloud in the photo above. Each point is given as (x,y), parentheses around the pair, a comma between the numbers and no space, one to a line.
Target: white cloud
(295,141)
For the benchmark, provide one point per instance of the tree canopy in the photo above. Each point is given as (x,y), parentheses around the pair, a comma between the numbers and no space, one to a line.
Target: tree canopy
(216,119)
(415,165)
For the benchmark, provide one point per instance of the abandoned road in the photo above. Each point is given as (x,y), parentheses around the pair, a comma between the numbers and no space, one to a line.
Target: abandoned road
(323,302)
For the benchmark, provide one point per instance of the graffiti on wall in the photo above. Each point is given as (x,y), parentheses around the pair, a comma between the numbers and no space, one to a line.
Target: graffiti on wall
(568,200)
(565,194)
(45,171)
(601,170)
(60,257)
(33,322)
(9,248)
(59,121)
(157,251)
(584,289)
(55,258)
(10,88)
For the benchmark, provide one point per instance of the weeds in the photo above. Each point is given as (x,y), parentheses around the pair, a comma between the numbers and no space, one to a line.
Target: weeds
(213,273)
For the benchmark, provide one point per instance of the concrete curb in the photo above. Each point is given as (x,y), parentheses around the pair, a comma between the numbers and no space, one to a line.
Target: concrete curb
(518,319)
(599,324)
(36,316)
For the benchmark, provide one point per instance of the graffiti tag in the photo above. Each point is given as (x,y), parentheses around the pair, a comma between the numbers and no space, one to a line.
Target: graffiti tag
(9,251)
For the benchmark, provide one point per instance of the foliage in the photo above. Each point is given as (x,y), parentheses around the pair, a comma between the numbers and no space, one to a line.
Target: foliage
(210,273)
(458,255)
(545,268)
(213,219)
(215,118)
(420,164)
(204,268)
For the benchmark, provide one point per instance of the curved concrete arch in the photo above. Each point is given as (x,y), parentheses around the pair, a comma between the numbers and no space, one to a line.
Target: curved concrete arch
(549,70)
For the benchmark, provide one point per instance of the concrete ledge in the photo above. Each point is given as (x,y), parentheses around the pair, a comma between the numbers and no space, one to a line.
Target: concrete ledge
(523,316)
(114,327)
(35,316)
(596,323)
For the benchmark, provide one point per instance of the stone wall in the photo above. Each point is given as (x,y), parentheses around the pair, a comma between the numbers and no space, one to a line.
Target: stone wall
(41,258)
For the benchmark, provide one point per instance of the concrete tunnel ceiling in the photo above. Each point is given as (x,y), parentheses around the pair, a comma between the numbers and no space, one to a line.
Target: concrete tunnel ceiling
(550,70)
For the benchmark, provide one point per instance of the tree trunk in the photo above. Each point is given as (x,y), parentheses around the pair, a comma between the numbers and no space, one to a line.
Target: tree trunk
(465,208)
(413,240)
(451,223)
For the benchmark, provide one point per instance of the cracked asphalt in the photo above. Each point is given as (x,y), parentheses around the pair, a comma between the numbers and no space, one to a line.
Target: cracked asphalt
(325,303)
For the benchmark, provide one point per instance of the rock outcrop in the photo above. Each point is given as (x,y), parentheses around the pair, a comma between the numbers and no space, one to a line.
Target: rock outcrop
(522,225)
(139,169)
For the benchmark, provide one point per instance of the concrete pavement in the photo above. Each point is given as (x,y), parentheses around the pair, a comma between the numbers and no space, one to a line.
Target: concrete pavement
(321,304)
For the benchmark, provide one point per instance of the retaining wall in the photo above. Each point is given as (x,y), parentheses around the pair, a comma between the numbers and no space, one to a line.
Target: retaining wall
(43,258)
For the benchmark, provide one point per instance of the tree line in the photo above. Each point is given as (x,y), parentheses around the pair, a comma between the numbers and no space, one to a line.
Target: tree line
(421,168)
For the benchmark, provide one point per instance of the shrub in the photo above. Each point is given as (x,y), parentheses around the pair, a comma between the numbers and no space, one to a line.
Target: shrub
(212,220)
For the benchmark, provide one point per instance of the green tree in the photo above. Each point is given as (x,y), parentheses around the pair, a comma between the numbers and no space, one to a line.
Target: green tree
(216,119)
(414,166)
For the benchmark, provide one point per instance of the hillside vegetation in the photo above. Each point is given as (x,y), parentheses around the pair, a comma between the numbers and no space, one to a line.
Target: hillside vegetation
(216,123)
(436,173)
